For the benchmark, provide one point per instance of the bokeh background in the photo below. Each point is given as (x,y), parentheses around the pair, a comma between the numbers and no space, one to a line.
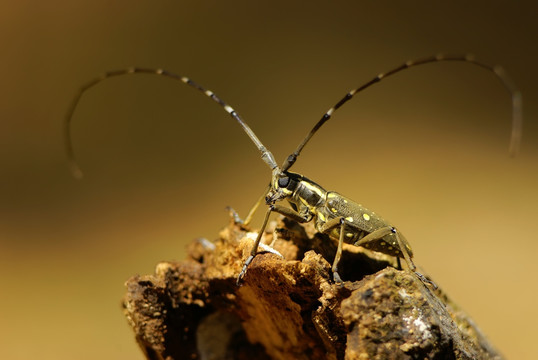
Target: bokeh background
(426,148)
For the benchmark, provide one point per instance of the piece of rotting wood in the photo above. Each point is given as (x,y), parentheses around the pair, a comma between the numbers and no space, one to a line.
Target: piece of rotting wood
(289,308)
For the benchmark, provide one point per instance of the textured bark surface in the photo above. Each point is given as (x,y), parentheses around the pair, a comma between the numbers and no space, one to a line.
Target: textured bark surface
(290,308)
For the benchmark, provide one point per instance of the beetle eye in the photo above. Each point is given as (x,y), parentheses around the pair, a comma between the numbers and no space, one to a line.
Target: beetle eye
(283,181)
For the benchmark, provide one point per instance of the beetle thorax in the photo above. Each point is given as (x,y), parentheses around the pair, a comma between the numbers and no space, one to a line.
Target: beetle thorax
(303,194)
(308,194)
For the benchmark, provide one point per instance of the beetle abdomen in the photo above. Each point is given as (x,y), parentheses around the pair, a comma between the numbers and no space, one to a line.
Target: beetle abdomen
(360,222)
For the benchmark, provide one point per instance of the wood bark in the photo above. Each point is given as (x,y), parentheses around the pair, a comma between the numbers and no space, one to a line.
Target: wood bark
(289,308)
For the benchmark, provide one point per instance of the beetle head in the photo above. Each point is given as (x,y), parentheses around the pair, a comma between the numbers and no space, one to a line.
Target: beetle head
(283,185)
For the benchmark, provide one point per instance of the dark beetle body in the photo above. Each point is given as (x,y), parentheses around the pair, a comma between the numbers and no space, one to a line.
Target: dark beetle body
(313,202)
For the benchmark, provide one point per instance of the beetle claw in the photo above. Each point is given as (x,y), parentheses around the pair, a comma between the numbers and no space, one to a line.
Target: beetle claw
(337,279)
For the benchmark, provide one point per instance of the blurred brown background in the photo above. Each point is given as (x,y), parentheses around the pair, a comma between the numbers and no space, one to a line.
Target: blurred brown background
(426,148)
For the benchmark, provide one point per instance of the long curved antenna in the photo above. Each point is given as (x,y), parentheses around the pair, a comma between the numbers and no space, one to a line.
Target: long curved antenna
(267,156)
(515,137)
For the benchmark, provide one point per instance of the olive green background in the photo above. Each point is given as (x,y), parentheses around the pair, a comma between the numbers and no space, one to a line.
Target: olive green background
(427,148)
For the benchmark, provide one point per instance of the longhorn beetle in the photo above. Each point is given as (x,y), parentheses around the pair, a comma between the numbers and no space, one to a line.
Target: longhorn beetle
(335,215)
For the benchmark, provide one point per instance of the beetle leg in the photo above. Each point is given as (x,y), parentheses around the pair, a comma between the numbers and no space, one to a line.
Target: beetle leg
(410,263)
(382,232)
(255,246)
(326,228)
(336,277)
(290,213)
(234,216)
(374,235)
(237,219)
(281,210)
(248,219)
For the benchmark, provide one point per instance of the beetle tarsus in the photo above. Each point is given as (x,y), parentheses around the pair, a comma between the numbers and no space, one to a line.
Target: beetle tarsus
(337,279)
(426,281)
(234,216)
(244,270)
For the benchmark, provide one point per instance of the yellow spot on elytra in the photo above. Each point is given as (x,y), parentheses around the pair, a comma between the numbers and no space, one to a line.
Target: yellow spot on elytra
(334,210)
(366,217)
(349,218)
(349,235)
(321,216)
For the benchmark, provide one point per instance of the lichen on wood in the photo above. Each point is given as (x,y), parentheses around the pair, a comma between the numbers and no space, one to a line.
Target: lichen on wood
(289,308)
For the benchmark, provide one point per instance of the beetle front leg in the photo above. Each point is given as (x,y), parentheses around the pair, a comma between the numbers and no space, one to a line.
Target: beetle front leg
(254,249)
(237,219)
(281,210)
(290,213)
(248,219)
